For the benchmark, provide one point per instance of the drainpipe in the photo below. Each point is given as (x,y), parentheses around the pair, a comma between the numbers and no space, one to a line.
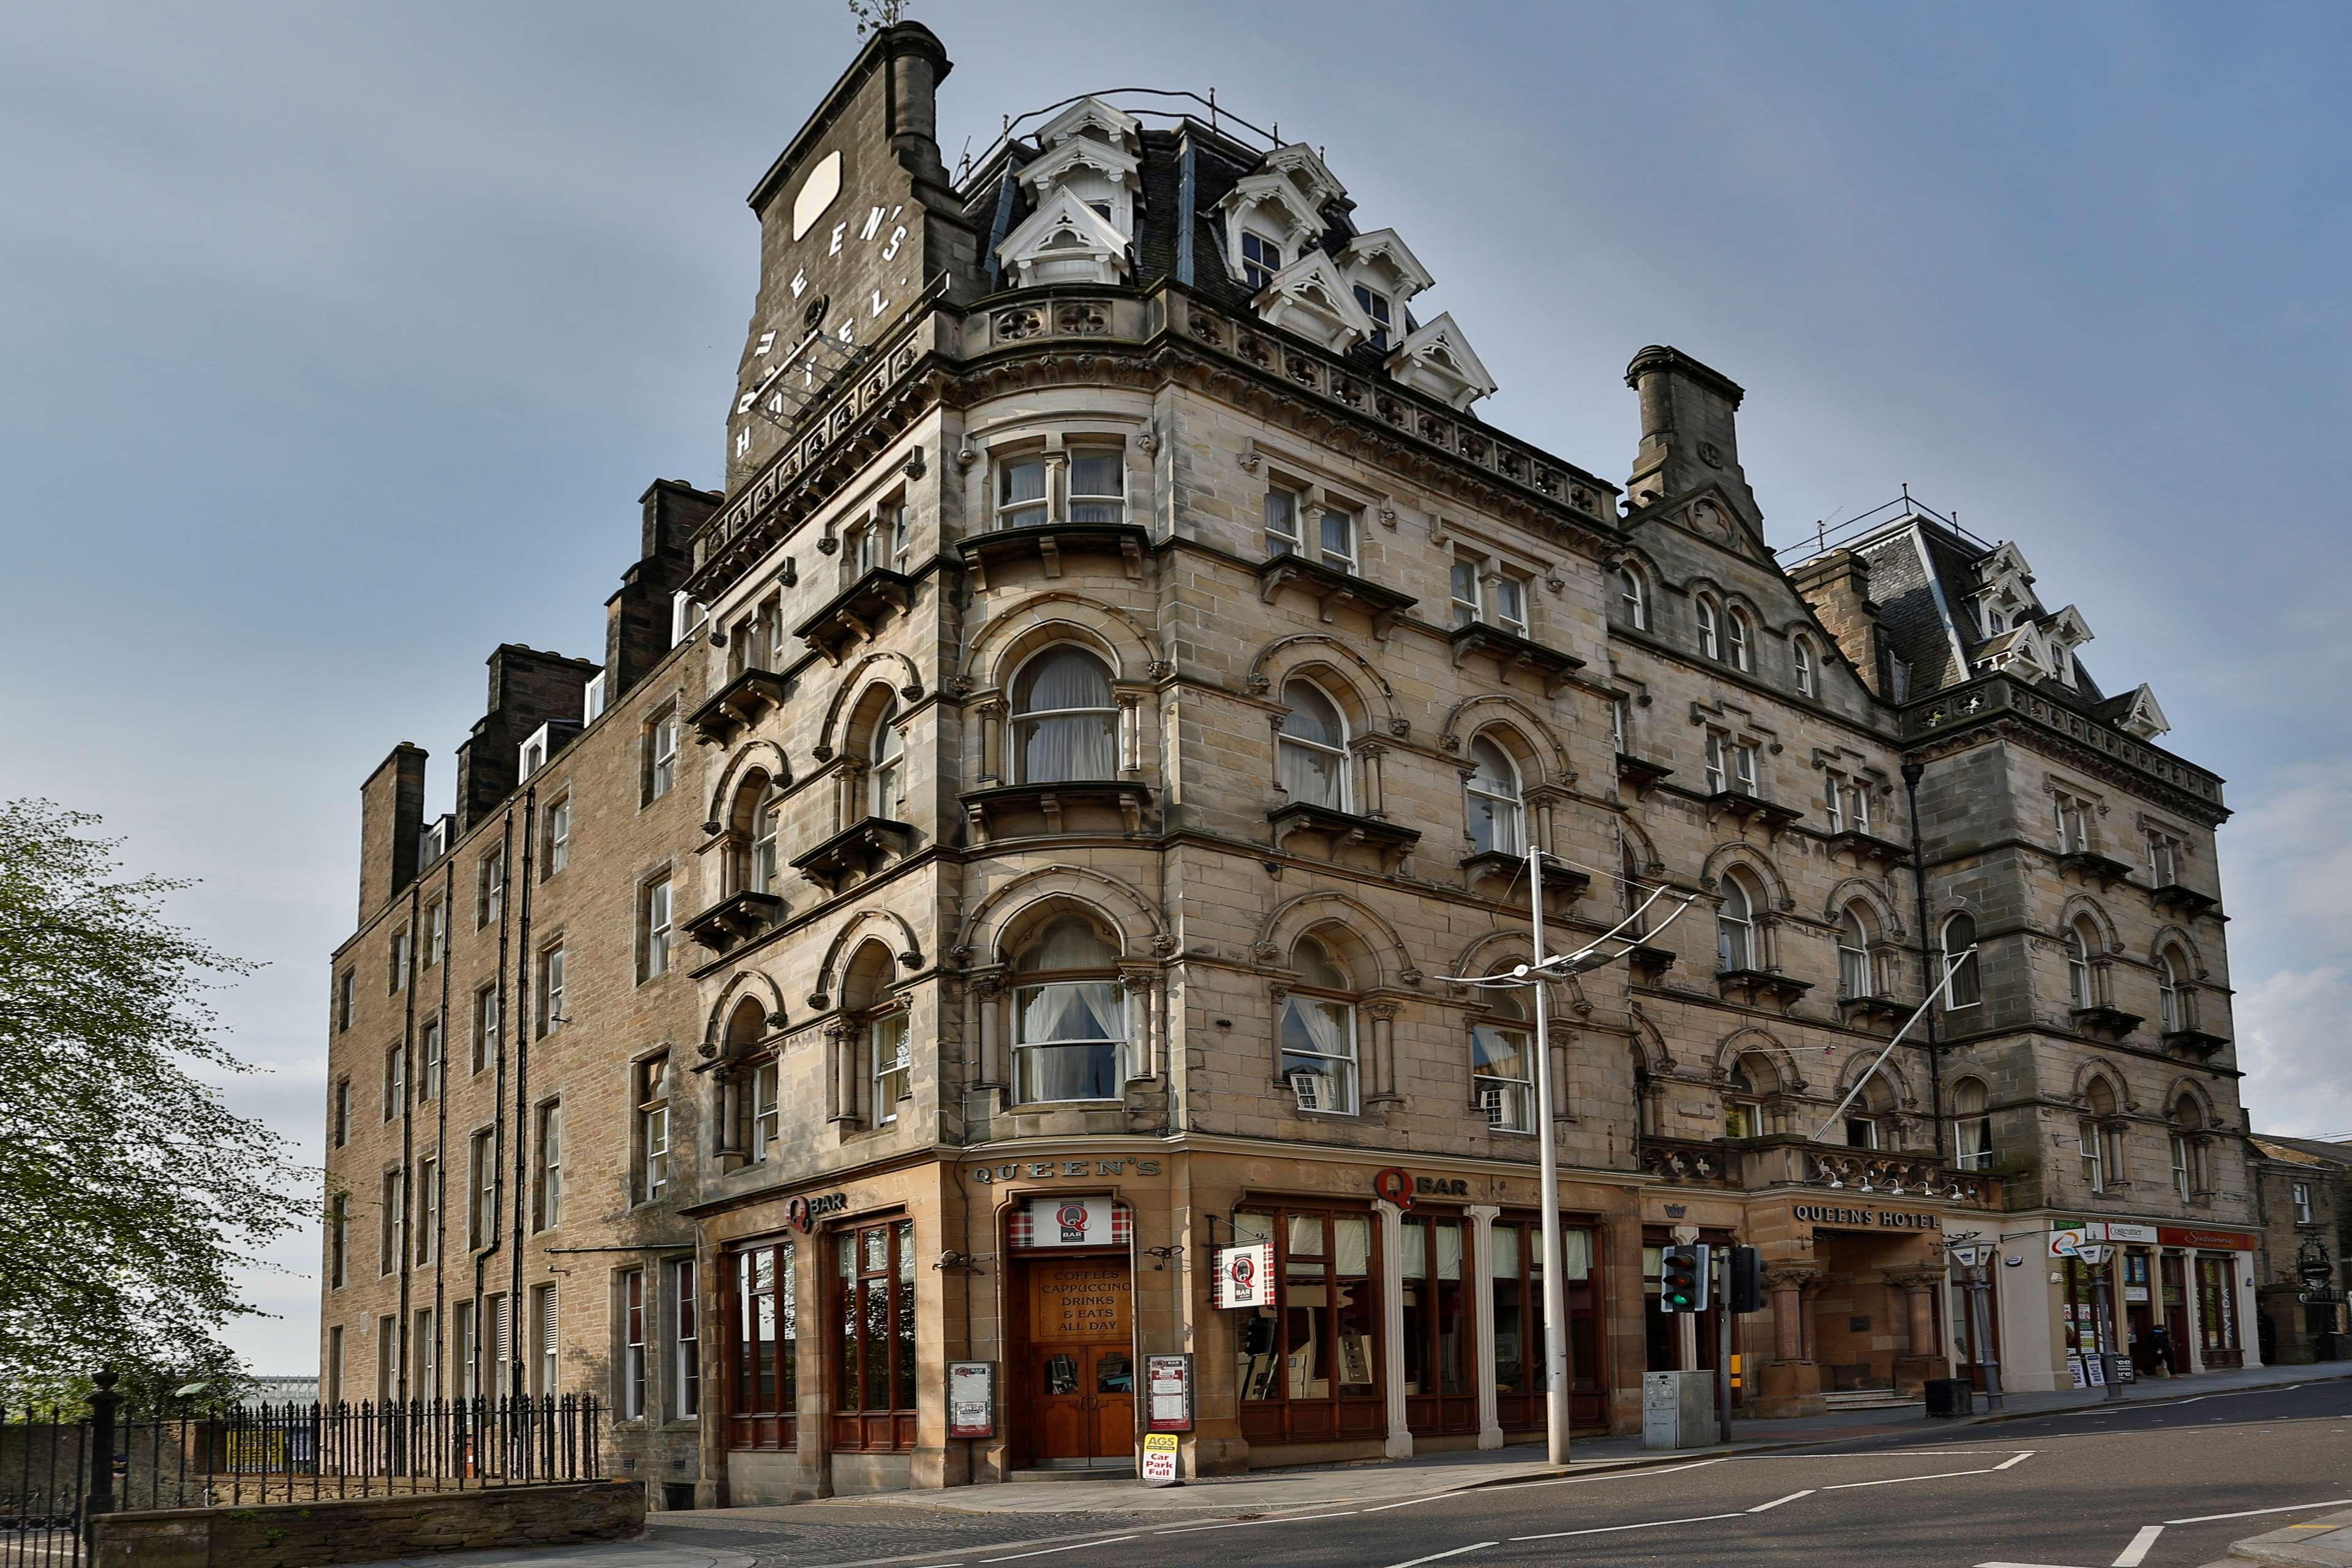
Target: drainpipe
(1912,770)
(497,1238)
(515,1380)
(441,1126)
(405,1186)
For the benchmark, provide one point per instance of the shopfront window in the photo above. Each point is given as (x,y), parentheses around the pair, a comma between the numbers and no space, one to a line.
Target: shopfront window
(1309,1366)
(1438,1332)
(872,1330)
(763,1349)
(2216,1311)
(1518,1361)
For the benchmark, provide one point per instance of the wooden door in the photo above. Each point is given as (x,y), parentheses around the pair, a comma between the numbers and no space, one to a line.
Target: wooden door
(1080,1370)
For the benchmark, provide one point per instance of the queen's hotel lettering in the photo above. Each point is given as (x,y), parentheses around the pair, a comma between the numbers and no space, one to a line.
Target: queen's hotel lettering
(1876,1219)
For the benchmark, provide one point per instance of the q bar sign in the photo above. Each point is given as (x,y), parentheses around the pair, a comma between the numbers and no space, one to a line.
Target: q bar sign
(1245,1275)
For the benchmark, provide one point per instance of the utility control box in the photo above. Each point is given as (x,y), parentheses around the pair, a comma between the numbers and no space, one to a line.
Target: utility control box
(1678,1410)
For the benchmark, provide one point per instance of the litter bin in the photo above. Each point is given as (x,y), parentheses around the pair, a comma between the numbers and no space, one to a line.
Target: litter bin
(1948,1396)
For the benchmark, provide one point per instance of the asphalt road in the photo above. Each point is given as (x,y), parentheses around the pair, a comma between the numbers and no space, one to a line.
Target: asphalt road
(2166,1486)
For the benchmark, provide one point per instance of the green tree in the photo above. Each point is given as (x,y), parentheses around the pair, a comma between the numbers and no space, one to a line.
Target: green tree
(130,1191)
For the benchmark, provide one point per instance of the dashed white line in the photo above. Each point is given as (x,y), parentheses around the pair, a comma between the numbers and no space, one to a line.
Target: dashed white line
(2249,1513)
(1899,1480)
(1776,1502)
(1049,1550)
(1438,1556)
(2017,1460)
(1616,1475)
(1245,1523)
(2137,1552)
(1613,1528)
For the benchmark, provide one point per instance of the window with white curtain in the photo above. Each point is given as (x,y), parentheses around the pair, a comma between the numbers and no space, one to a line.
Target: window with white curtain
(1854,977)
(1469,601)
(767,814)
(1318,1031)
(2168,993)
(1735,925)
(1098,485)
(1495,809)
(1312,747)
(1740,641)
(1294,526)
(1973,1124)
(1511,605)
(1961,937)
(767,1121)
(1502,1065)
(1065,718)
(2081,990)
(888,1047)
(1021,493)
(885,765)
(1069,1017)
(1717,779)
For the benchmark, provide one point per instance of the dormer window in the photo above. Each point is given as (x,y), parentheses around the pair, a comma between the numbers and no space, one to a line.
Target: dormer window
(1261,260)
(1376,305)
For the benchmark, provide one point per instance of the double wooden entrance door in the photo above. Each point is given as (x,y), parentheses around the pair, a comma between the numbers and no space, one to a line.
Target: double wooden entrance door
(1079,1371)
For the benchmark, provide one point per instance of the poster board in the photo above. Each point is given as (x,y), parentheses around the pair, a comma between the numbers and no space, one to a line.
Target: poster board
(1168,1392)
(972,1399)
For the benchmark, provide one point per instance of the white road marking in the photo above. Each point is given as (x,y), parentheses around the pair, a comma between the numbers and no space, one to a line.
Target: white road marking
(2249,1513)
(1776,1502)
(1074,1546)
(1619,1475)
(1613,1528)
(1888,1454)
(1436,1556)
(2019,1565)
(2019,1460)
(2137,1552)
(1898,1480)
(1245,1523)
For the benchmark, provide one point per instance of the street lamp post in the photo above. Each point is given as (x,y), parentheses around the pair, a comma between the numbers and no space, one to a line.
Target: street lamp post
(2095,1256)
(1976,1257)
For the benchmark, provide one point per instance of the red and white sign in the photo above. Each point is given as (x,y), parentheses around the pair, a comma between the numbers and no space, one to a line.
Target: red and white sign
(1245,1275)
(1069,1222)
(2219,1240)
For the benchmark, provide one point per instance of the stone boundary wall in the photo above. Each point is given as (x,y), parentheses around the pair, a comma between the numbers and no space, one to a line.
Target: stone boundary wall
(367,1529)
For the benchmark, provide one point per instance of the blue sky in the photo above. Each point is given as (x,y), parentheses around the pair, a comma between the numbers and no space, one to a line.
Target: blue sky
(339,341)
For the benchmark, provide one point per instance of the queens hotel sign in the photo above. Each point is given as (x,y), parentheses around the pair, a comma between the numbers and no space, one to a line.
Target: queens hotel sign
(1874,1219)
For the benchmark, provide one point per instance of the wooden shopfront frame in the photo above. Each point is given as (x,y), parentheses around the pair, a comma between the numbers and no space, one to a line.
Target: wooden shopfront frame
(1334,1345)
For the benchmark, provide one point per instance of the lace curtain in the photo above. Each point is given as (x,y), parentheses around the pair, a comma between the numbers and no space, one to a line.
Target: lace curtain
(1065,720)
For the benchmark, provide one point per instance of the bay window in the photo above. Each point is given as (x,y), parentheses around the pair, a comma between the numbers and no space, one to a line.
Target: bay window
(1318,1031)
(1064,719)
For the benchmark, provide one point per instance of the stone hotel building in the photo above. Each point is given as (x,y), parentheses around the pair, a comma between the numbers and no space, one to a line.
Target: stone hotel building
(1013,843)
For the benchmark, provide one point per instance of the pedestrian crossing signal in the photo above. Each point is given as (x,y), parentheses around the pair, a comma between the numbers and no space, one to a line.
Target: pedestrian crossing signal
(1683,1279)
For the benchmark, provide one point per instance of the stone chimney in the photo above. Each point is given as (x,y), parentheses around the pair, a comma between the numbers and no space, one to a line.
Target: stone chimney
(528,688)
(1837,586)
(1690,436)
(637,619)
(392,818)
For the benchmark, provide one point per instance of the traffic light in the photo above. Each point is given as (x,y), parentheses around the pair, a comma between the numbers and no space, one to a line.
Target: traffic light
(1682,1284)
(1746,1288)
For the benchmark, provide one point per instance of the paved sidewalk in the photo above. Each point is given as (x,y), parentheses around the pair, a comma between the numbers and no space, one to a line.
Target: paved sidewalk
(2325,1542)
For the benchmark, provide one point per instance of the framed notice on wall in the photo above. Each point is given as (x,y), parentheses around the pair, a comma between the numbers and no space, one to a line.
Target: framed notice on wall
(972,1399)
(1167,1384)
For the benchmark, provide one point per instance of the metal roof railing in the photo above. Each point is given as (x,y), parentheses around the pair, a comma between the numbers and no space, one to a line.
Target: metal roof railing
(1223,121)
(1853,530)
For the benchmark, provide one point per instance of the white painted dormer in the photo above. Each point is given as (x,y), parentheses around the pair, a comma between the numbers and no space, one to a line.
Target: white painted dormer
(1307,172)
(1091,149)
(2142,717)
(1268,227)
(2004,595)
(1384,275)
(1310,298)
(2065,631)
(1065,242)
(1437,360)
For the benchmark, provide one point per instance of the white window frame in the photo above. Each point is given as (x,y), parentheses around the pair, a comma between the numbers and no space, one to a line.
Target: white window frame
(1508,811)
(485,1027)
(766,1109)
(1114,502)
(1020,721)
(547,1171)
(1800,655)
(546,1311)
(427,1208)
(1855,964)
(1347,1067)
(1736,936)
(653,1103)
(558,837)
(395,1082)
(1717,777)
(1633,594)
(655,926)
(894,1075)
(1343,754)
(1507,1103)
(686,1342)
(1381,311)
(1710,629)
(1260,260)
(429,1059)
(767,829)
(633,1370)
(661,741)
(1743,768)
(2301,1195)
(1471,610)
(2082,985)
(1511,591)
(1740,640)
(489,887)
(1971,971)
(885,776)
(1028,512)
(482,1167)
(551,990)
(2093,1140)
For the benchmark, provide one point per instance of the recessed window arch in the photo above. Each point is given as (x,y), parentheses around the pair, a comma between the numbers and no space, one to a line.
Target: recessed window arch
(755,826)
(1739,640)
(1856,970)
(1751,1078)
(1502,1064)
(886,764)
(1496,808)
(1973,1123)
(1069,1017)
(2188,1147)
(1736,945)
(1710,628)
(879,1038)
(1800,655)
(1866,1118)
(1633,598)
(1961,937)
(1312,746)
(2171,997)
(1065,718)
(1318,1028)
(2096,1137)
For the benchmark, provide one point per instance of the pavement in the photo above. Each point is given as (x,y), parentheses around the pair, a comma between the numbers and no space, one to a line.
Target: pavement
(2094,1472)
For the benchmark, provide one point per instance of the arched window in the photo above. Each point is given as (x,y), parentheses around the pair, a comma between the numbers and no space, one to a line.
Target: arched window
(2187,1167)
(1318,1030)
(1800,653)
(1735,925)
(1961,937)
(767,814)
(1064,719)
(1313,747)
(1631,599)
(885,777)
(1973,1123)
(1070,1019)
(1741,641)
(878,1069)
(2171,1015)
(2096,1135)
(2081,991)
(1502,1064)
(1863,1129)
(1855,977)
(1743,1115)
(1710,629)
(1494,800)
